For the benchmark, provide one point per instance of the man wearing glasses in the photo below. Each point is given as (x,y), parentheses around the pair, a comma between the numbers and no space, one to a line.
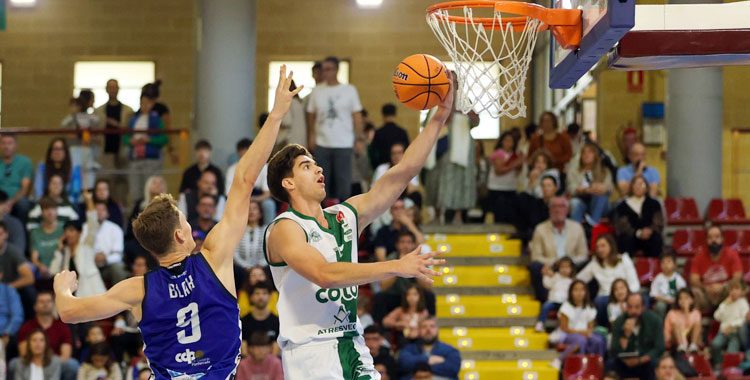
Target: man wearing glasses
(16,173)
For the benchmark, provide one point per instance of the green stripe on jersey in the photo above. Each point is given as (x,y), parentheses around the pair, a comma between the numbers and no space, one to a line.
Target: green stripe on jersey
(349,358)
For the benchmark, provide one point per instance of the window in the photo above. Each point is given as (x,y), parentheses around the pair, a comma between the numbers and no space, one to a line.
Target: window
(302,76)
(131,76)
(488,128)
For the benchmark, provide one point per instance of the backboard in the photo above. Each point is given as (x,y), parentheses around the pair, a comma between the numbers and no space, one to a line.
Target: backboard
(605,22)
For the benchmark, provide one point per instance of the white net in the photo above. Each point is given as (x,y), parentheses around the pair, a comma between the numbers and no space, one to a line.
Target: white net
(491,61)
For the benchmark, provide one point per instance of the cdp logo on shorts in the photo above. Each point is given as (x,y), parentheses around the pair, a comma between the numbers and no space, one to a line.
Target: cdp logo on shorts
(188,356)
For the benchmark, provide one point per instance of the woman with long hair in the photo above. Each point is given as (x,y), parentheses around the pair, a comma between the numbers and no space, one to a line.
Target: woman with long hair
(38,363)
(502,182)
(556,143)
(99,364)
(102,194)
(154,186)
(589,185)
(57,161)
(639,221)
(406,318)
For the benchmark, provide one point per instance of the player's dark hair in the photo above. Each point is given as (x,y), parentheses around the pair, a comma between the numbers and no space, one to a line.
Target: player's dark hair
(389,109)
(154,227)
(333,60)
(244,144)
(259,338)
(203,144)
(281,166)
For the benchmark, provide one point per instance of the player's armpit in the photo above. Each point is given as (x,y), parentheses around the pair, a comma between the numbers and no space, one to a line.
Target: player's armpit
(125,295)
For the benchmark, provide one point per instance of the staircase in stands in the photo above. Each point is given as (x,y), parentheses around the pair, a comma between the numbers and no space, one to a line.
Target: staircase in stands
(485,304)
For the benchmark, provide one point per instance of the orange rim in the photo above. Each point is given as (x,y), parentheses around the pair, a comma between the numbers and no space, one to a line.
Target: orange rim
(565,24)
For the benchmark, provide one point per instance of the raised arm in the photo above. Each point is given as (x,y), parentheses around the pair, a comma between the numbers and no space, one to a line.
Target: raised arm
(287,243)
(385,190)
(221,242)
(125,295)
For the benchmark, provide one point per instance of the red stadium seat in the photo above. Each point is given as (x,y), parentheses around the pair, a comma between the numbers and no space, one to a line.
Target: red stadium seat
(700,362)
(682,211)
(583,367)
(647,269)
(713,330)
(727,211)
(687,242)
(743,242)
(600,229)
(731,360)
(731,239)
(688,265)
(703,378)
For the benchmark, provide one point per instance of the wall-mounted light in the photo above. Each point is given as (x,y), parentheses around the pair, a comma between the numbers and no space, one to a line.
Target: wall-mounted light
(23,3)
(369,3)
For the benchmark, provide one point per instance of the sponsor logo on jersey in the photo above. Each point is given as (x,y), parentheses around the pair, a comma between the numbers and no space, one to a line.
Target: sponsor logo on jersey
(339,251)
(192,357)
(340,217)
(344,294)
(341,323)
(315,237)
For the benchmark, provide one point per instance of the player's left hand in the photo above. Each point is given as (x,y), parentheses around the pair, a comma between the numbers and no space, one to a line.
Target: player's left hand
(416,265)
(445,109)
(283,99)
(64,281)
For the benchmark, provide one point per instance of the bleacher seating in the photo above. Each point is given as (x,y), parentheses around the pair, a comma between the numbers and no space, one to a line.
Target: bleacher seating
(583,367)
(647,269)
(727,211)
(702,365)
(687,242)
(682,211)
(739,240)
(730,362)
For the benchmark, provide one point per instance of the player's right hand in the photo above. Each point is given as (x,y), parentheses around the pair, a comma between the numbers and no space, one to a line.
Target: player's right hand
(283,99)
(415,265)
(64,281)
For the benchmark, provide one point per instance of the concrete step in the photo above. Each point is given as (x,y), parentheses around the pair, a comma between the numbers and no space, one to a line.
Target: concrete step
(487,276)
(494,339)
(526,322)
(509,305)
(487,245)
(509,355)
(486,260)
(434,228)
(483,290)
(523,369)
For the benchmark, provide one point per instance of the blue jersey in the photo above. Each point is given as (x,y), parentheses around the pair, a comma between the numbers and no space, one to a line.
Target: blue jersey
(191,323)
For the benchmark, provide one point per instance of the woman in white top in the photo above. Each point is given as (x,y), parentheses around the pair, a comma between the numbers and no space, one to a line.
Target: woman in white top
(249,252)
(503,179)
(38,363)
(577,320)
(607,266)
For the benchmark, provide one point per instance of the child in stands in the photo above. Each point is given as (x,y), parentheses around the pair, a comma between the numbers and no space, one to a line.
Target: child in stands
(732,313)
(682,326)
(577,319)
(617,299)
(558,284)
(666,284)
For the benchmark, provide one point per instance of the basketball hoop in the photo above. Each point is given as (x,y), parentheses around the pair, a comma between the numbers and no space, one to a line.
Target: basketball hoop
(492,54)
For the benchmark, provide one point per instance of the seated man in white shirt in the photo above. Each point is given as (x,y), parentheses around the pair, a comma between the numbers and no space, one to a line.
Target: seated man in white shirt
(108,245)
(261,192)
(206,186)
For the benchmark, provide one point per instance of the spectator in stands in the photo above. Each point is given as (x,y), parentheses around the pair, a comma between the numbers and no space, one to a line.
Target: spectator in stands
(256,275)
(333,120)
(102,194)
(558,283)
(637,167)
(114,115)
(94,335)
(145,149)
(4,367)
(16,229)
(83,153)
(387,236)
(203,163)
(17,173)
(732,314)
(57,161)
(682,326)
(56,191)
(38,362)
(293,128)
(388,134)
(261,192)
(204,221)
(125,335)
(260,318)
(523,140)
(540,165)
(666,284)
(617,304)
(396,154)
(713,267)
(77,251)
(554,239)
(138,368)
(11,313)
(589,185)
(57,333)
(444,360)
(482,170)
(108,245)
(161,109)
(502,181)
(189,200)
(405,318)
(666,370)
(607,266)
(44,239)
(639,221)
(99,364)
(154,186)
(576,136)
(557,144)
(380,353)
(363,311)
(577,321)
(361,168)
(379,365)
(17,272)
(637,341)
(261,363)
(422,371)
(249,252)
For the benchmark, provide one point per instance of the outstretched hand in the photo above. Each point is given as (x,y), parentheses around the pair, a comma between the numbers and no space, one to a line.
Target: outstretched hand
(445,109)
(415,265)
(283,99)
(64,281)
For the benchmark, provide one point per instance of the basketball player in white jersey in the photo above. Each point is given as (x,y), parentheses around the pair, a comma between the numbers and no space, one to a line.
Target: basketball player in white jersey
(313,258)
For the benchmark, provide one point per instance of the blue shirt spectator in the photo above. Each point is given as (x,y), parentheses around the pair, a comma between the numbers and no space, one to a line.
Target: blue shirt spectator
(637,165)
(11,310)
(16,172)
(57,161)
(444,360)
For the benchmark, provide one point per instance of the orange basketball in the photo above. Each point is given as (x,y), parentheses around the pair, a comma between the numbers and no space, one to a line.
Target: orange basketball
(420,81)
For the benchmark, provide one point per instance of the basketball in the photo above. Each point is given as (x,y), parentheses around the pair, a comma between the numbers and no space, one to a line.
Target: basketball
(421,82)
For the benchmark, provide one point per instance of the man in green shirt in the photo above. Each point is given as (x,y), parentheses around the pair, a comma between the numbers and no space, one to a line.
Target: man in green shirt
(637,341)
(46,238)
(16,172)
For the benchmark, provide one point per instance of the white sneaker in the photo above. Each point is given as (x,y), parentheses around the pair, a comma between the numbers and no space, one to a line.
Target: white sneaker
(539,327)
(556,364)
(693,348)
(682,348)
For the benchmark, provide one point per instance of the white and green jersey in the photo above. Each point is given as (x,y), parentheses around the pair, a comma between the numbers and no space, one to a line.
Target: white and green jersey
(308,312)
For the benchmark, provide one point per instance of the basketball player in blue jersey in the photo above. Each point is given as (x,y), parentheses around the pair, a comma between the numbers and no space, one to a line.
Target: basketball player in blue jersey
(313,256)
(187,308)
